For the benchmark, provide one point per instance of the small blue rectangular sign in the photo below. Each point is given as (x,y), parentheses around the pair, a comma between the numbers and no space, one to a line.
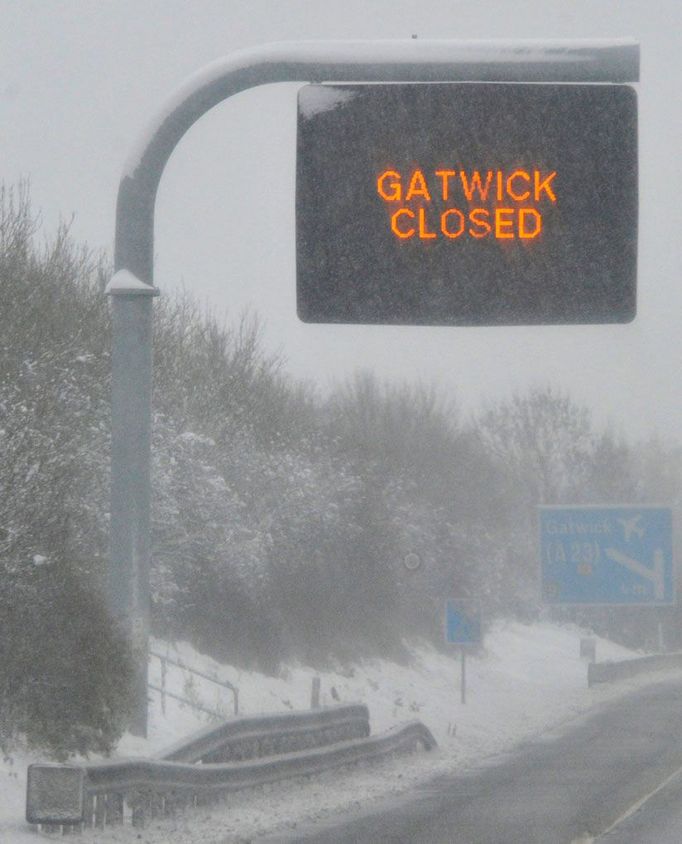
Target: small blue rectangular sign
(607,555)
(462,627)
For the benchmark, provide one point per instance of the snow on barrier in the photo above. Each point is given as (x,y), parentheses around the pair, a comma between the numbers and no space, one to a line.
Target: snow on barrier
(610,672)
(109,793)
(249,737)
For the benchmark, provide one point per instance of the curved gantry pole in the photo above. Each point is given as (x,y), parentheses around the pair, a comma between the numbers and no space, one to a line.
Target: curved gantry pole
(354,61)
(132,288)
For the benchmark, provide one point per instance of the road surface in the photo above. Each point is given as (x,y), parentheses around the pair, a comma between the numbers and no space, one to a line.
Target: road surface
(558,791)
(657,821)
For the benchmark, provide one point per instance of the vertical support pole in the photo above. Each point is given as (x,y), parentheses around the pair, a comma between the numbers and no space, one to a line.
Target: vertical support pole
(163,685)
(114,811)
(100,810)
(588,648)
(71,829)
(140,809)
(235,694)
(463,677)
(661,637)
(156,805)
(88,810)
(130,480)
(315,694)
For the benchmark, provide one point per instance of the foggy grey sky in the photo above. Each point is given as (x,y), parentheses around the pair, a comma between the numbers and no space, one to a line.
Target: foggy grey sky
(80,80)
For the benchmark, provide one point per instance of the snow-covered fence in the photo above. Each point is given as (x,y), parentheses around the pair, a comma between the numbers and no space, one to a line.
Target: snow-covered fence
(168,660)
(609,672)
(238,754)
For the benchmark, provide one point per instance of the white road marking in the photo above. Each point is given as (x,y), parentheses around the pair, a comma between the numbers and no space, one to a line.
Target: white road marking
(638,805)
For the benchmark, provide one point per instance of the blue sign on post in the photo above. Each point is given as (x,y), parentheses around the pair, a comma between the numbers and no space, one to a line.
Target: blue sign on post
(607,555)
(462,627)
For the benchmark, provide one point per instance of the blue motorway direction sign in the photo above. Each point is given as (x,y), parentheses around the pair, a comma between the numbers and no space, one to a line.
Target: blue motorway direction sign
(462,627)
(607,555)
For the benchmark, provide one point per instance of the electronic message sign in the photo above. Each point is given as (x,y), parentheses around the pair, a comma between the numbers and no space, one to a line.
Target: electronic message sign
(467,203)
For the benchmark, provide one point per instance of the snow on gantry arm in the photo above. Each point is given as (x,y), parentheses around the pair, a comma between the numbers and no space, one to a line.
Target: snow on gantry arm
(410,60)
(597,60)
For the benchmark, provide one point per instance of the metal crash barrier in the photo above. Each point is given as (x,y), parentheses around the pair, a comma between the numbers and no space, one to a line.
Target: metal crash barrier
(610,672)
(238,754)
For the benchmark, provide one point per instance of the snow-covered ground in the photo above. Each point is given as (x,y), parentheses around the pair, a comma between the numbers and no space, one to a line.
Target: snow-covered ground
(529,681)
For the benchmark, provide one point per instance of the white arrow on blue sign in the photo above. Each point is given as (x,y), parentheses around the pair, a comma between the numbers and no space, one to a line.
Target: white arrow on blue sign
(607,555)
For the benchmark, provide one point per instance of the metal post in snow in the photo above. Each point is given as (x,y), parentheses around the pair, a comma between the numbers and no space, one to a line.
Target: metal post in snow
(132,287)
(315,694)
(163,686)
(128,573)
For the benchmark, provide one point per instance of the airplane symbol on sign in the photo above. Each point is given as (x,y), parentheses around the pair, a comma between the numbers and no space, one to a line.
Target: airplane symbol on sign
(631,526)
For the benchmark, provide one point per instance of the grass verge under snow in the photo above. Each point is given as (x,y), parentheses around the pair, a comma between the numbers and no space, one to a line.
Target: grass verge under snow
(528,681)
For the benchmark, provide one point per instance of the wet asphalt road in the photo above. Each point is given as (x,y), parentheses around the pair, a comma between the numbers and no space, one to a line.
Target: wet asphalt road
(549,792)
(658,821)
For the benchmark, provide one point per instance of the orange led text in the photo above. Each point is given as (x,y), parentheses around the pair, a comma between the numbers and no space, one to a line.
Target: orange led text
(477,203)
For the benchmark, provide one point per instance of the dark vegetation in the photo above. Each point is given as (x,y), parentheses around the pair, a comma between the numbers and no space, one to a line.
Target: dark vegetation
(281,519)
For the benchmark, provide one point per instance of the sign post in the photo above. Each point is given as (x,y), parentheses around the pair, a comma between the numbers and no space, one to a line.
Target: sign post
(463,628)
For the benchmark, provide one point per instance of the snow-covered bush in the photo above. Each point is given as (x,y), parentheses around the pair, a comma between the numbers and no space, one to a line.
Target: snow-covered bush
(62,670)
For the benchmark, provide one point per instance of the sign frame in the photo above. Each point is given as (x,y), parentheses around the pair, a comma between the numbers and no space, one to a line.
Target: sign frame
(503,224)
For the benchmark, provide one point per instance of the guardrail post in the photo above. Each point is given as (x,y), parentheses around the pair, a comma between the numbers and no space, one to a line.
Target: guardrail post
(661,637)
(114,811)
(100,810)
(315,694)
(588,648)
(139,804)
(156,805)
(51,828)
(88,809)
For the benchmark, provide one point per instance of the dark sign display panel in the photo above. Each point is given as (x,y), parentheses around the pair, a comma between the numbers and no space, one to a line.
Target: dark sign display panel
(467,204)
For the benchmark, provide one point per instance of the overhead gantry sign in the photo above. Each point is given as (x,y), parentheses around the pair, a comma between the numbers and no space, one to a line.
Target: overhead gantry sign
(467,204)
(381,223)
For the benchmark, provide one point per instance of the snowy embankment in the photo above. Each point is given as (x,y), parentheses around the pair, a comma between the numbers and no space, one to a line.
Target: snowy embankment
(528,681)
